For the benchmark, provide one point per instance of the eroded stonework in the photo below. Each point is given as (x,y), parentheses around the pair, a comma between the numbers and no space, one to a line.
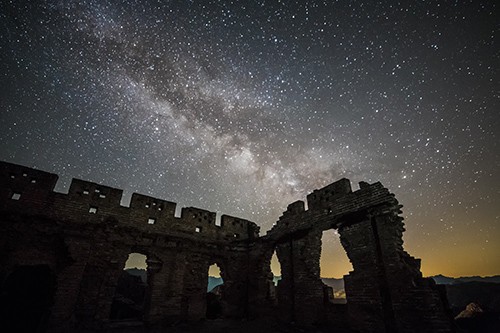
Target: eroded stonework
(74,246)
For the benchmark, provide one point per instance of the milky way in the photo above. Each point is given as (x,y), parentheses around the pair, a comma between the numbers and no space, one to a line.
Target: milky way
(244,107)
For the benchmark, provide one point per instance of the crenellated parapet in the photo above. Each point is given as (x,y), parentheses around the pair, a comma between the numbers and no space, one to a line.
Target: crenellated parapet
(328,206)
(31,191)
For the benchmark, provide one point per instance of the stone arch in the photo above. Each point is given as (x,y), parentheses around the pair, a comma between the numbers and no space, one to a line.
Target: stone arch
(131,290)
(360,237)
(215,296)
(260,282)
(266,287)
(227,289)
(300,291)
(275,277)
(235,291)
(138,285)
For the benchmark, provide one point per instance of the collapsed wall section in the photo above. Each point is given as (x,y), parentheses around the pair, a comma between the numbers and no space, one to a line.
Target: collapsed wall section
(385,291)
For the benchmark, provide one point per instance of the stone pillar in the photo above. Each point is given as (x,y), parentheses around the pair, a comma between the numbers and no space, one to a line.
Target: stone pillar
(367,298)
(418,304)
(175,268)
(386,291)
(68,287)
(301,291)
(194,303)
(68,283)
(111,273)
(262,298)
(165,286)
(103,268)
(156,281)
(234,273)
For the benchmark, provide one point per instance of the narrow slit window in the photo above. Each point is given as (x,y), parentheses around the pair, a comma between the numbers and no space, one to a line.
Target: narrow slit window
(93,210)
(16,196)
(151,220)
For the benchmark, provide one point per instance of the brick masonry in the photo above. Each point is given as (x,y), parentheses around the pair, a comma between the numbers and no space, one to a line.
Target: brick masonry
(85,236)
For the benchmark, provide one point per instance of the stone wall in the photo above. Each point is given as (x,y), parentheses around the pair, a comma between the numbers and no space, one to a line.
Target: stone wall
(385,291)
(84,238)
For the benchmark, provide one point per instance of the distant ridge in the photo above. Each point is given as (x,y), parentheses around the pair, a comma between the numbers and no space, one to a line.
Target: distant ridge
(441,279)
(338,284)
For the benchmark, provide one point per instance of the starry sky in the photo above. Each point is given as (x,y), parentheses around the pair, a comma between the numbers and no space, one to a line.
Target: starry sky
(242,107)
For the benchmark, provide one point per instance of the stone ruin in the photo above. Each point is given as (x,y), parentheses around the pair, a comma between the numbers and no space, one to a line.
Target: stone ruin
(65,253)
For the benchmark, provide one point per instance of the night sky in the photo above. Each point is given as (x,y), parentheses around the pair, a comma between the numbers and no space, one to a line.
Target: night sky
(242,107)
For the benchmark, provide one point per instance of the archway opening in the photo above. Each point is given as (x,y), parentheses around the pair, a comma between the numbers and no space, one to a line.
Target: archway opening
(26,299)
(214,277)
(131,289)
(275,268)
(334,264)
(276,276)
(214,292)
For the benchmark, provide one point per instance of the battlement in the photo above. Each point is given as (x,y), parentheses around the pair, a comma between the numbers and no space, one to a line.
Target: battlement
(328,194)
(295,208)
(19,182)
(239,227)
(330,202)
(83,191)
(147,204)
(30,191)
